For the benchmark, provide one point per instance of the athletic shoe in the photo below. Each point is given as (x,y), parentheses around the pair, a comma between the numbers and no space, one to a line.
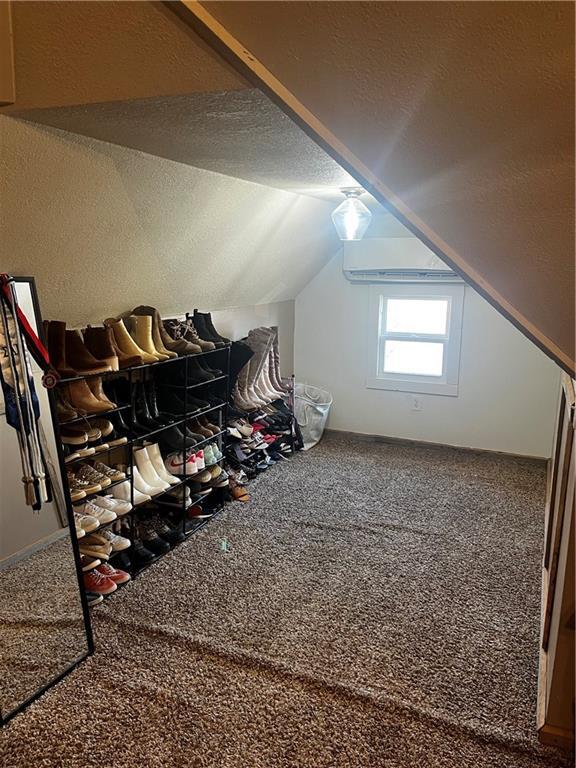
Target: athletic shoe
(152,541)
(102,516)
(95,582)
(117,543)
(172,535)
(95,480)
(114,574)
(95,545)
(209,457)
(88,563)
(113,474)
(94,599)
(200,460)
(76,487)
(87,523)
(109,503)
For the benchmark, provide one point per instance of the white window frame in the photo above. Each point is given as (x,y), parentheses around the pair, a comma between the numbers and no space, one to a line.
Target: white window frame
(447,383)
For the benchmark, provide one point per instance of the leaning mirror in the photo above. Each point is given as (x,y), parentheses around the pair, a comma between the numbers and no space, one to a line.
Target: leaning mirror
(44,624)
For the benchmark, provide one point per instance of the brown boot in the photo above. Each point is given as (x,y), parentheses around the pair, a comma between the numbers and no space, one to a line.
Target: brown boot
(81,396)
(99,343)
(157,329)
(64,410)
(55,332)
(98,392)
(174,330)
(80,358)
(192,335)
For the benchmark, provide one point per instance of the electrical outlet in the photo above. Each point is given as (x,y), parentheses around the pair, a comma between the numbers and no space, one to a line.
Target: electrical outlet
(416,403)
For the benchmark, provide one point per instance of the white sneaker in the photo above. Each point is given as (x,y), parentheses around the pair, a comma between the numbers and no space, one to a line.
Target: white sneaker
(118,543)
(122,492)
(102,516)
(112,505)
(86,523)
(158,463)
(147,471)
(200,462)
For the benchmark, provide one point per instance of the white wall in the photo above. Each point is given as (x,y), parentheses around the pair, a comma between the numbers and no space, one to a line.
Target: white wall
(508,388)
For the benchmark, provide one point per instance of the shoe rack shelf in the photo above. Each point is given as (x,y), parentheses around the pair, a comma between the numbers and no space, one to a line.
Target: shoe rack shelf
(215,389)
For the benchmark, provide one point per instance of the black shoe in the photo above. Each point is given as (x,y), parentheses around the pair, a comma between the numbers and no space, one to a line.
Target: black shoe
(171,403)
(123,561)
(174,440)
(203,332)
(153,542)
(142,555)
(196,372)
(152,399)
(194,404)
(172,535)
(209,325)
(194,435)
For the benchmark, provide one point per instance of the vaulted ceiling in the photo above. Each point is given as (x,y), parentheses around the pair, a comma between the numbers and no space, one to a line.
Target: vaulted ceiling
(459,114)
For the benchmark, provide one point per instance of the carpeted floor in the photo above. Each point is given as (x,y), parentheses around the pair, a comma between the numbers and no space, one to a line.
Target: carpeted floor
(374,606)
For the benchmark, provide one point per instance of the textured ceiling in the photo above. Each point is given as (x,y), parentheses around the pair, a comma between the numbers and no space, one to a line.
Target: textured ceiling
(238,133)
(464,111)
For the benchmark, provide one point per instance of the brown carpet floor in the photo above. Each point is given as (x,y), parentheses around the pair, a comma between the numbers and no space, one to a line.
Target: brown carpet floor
(374,606)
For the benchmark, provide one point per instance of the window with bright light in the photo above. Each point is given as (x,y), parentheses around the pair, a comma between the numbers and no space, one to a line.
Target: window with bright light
(416,330)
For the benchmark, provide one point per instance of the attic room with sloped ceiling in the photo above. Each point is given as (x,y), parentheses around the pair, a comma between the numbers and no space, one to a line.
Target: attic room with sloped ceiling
(287,389)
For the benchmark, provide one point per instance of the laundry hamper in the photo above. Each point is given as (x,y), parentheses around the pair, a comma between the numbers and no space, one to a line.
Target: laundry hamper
(311,408)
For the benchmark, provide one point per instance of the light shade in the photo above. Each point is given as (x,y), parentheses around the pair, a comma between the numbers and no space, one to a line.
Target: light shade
(352,217)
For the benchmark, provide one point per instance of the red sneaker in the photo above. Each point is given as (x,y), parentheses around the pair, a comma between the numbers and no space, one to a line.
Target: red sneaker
(114,574)
(97,583)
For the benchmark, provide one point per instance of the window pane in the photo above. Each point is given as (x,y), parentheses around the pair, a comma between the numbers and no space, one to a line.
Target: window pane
(416,316)
(419,358)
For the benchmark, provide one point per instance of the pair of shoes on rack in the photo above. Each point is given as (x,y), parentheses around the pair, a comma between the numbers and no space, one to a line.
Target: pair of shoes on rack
(195,334)
(204,427)
(103,545)
(70,355)
(87,479)
(150,475)
(137,335)
(99,510)
(103,580)
(186,463)
(81,398)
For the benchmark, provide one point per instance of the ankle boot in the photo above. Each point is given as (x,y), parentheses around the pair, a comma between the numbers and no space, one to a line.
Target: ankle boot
(124,360)
(157,329)
(141,332)
(98,342)
(81,396)
(98,392)
(203,331)
(80,358)
(55,333)
(126,342)
(175,331)
(192,335)
(214,335)
(196,373)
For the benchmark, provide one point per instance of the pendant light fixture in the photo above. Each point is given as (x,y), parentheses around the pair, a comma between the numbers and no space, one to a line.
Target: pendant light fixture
(352,217)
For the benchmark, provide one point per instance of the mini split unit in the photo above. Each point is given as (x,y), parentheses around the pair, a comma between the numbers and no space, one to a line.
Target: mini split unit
(394,260)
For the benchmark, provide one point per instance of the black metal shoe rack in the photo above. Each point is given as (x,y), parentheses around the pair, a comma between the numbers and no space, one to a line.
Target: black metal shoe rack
(124,454)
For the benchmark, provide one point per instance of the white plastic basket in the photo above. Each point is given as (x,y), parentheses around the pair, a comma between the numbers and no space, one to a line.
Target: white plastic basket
(311,408)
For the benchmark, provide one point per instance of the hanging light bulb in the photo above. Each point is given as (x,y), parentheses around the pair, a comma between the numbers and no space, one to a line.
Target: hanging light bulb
(352,217)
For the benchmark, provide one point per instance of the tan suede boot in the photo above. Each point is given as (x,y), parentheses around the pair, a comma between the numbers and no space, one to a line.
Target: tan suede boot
(98,392)
(126,343)
(81,396)
(141,332)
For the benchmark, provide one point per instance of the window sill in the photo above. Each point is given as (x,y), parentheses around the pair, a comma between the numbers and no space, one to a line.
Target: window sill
(405,385)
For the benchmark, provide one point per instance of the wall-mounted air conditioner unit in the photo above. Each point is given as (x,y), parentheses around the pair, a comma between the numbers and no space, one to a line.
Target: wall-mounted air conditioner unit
(394,260)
